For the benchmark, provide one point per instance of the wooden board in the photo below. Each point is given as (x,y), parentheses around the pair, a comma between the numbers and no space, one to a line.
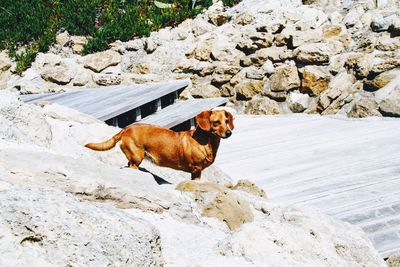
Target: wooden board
(349,169)
(182,111)
(109,102)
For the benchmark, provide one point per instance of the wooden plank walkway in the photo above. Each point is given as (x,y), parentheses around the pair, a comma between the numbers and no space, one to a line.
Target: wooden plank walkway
(182,111)
(109,102)
(349,169)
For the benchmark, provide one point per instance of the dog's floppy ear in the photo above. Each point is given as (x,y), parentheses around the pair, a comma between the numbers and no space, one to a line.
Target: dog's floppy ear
(203,120)
(230,120)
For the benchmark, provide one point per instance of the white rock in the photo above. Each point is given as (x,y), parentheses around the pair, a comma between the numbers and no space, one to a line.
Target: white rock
(101,60)
(298,102)
(290,230)
(68,231)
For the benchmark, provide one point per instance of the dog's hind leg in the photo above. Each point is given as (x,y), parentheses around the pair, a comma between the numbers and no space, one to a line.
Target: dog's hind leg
(133,153)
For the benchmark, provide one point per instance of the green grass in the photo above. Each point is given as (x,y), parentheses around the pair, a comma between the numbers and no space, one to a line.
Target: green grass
(30,27)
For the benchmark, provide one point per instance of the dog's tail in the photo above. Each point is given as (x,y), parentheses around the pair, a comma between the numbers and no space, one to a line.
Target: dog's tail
(106,145)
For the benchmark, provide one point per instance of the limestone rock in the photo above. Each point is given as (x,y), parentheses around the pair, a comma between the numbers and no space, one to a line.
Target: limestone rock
(216,14)
(101,60)
(205,91)
(381,23)
(274,54)
(285,78)
(63,38)
(78,42)
(332,31)
(246,89)
(337,97)
(388,44)
(262,106)
(223,68)
(219,202)
(219,79)
(313,53)
(393,260)
(299,38)
(298,102)
(134,45)
(359,63)
(385,62)
(314,79)
(53,228)
(364,106)
(390,105)
(5,62)
(203,49)
(244,19)
(380,80)
(254,73)
(228,208)
(200,26)
(251,42)
(340,84)
(59,75)
(250,187)
(224,50)
(321,236)
(151,43)
(107,79)
(22,123)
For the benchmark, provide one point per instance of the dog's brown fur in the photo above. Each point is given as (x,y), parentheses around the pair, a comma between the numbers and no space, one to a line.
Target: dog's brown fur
(190,151)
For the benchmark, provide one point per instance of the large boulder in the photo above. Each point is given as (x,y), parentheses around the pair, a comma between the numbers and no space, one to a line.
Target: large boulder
(51,228)
(296,236)
(23,123)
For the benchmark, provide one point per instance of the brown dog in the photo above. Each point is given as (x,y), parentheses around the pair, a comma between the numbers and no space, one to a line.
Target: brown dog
(189,151)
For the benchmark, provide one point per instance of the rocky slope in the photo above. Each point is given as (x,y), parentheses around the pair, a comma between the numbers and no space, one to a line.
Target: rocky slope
(267,57)
(62,204)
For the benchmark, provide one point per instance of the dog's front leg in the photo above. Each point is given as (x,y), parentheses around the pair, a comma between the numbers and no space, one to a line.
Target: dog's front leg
(196,175)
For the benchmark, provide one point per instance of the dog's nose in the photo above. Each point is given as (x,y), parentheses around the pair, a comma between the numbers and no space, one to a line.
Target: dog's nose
(228,133)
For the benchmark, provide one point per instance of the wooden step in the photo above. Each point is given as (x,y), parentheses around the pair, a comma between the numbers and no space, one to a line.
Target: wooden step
(182,111)
(109,102)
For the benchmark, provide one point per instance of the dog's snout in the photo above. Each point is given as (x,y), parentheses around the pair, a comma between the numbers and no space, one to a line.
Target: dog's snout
(228,133)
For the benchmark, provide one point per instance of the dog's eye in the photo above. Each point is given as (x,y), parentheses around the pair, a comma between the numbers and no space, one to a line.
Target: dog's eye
(216,123)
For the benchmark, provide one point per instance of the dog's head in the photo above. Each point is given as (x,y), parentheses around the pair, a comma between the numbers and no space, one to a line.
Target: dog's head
(217,122)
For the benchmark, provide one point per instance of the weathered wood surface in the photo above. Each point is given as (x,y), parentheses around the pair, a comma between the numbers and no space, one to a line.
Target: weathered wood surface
(182,111)
(108,102)
(349,169)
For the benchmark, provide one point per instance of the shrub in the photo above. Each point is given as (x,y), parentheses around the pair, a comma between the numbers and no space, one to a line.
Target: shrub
(30,27)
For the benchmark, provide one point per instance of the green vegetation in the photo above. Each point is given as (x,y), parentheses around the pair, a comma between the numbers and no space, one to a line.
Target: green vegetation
(30,27)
